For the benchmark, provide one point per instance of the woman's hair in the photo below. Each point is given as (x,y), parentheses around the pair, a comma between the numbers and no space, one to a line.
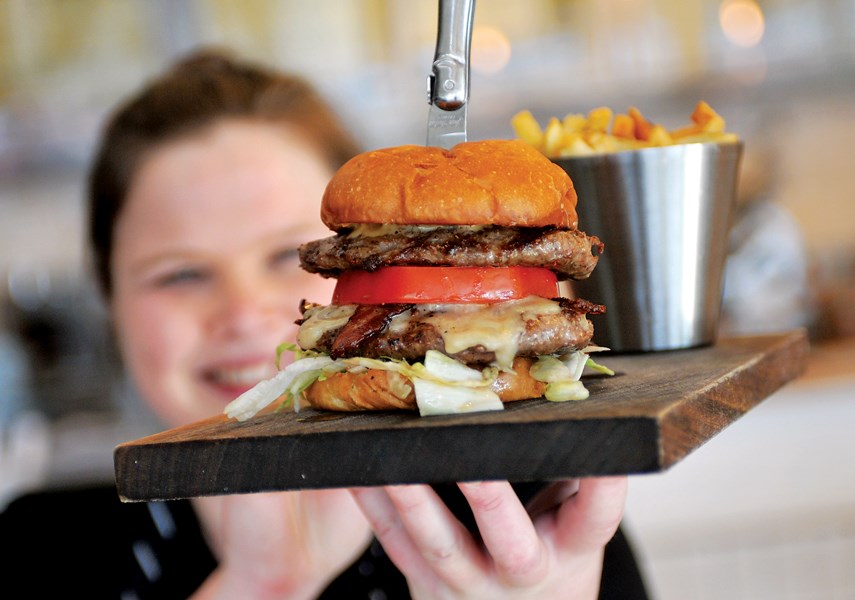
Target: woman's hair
(199,91)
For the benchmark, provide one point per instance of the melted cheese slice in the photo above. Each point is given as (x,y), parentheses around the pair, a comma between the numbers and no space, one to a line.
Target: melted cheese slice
(320,320)
(497,327)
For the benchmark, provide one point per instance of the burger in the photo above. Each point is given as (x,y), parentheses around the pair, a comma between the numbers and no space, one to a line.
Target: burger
(447,298)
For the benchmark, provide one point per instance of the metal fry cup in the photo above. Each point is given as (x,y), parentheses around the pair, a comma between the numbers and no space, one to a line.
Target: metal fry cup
(664,215)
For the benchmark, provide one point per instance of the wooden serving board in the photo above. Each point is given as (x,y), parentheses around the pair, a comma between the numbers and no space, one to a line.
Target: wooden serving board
(655,410)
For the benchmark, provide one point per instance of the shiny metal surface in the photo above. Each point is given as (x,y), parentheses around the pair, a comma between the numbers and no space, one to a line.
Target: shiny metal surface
(448,83)
(446,128)
(664,214)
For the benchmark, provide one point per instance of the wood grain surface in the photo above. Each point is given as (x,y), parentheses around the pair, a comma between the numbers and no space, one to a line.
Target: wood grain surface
(655,410)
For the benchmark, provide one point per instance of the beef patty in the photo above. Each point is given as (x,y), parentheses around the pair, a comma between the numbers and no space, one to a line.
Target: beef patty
(473,334)
(571,254)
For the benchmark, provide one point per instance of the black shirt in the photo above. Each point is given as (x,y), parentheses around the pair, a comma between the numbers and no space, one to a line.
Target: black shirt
(86,542)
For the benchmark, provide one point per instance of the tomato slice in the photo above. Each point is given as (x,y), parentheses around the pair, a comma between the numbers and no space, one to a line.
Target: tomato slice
(444,285)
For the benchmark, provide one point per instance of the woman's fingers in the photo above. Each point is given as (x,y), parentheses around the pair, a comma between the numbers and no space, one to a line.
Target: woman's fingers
(427,542)
(589,519)
(421,536)
(441,539)
(518,554)
(551,497)
(390,531)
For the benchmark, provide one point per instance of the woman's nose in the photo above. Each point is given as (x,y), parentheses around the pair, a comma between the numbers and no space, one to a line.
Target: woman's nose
(247,306)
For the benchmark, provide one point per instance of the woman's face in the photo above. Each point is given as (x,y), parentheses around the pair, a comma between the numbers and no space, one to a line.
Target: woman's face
(206,276)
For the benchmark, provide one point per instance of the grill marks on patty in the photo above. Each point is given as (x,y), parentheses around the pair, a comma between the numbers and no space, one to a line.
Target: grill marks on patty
(371,332)
(572,254)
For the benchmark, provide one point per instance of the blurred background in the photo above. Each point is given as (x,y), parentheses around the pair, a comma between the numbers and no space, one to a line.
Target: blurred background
(765,511)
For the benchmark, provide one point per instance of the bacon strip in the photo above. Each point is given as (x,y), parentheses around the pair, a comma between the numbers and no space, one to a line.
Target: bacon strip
(368,321)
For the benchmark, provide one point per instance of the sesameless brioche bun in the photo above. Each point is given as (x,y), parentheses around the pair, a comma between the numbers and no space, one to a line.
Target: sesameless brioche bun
(374,389)
(494,182)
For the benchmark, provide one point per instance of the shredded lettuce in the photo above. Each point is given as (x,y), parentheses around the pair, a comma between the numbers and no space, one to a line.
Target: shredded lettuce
(564,390)
(416,370)
(598,367)
(435,398)
(562,375)
(299,353)
(575,363)
(568,367)
(442,384)
(551,368)
(453,388)
(287,381)
(449,369)
(281,349)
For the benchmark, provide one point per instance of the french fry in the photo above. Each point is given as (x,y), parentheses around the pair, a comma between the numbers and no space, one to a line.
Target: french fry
(527,128)
(714,125)
(602,131)
(642,125)
(624,127)
(703,113)
(720,137)
(574,123)
(659,136)
(601,141)
(685,132)
(574,145)
(709,120)
(552,137)
(599,119)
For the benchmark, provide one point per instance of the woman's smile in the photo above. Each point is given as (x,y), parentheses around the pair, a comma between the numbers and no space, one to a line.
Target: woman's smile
(233,380)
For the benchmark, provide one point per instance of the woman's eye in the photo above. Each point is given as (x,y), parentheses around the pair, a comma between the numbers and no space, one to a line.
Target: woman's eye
(181,276)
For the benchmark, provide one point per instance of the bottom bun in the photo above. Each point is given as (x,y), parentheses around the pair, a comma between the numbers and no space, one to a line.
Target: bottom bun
(374,389)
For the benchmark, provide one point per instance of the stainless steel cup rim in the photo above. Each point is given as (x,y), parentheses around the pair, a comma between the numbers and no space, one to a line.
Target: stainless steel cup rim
(649,152)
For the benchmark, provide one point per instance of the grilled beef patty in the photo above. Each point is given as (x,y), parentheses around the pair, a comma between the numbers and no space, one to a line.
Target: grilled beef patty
(572,254)
(528,327)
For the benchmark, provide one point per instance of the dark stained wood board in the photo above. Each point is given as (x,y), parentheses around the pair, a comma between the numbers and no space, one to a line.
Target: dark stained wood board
(657,409)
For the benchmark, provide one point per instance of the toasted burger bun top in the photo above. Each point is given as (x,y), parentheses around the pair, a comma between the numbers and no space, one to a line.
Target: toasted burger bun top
(494,182)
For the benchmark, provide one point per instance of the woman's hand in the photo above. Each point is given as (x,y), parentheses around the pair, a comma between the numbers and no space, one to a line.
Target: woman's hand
(281,545)
(552,549)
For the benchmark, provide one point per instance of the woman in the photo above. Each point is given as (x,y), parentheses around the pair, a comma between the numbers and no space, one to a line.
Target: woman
(204,186)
